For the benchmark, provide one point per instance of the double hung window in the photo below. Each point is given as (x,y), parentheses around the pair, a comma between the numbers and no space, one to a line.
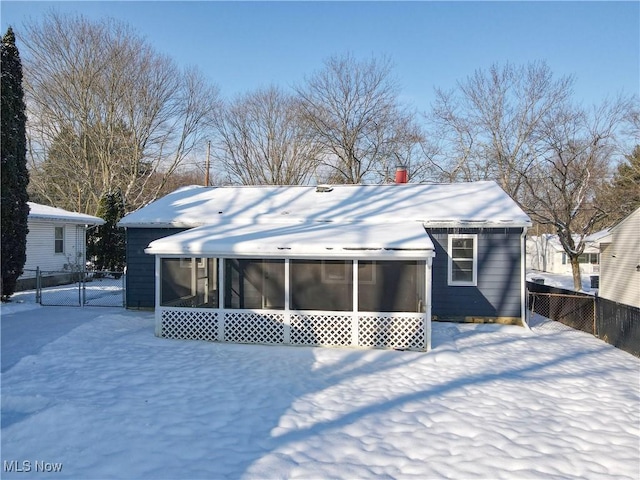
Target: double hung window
(463,259)
(58,243)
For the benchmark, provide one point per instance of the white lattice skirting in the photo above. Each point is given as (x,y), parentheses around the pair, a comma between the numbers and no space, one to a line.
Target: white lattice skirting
(399,331)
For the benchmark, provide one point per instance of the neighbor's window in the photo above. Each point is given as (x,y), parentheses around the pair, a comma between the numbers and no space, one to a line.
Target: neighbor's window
(322,285)
(254,284)
(59,240)
(189,282)
(391,286)
(592,258)
(463,259)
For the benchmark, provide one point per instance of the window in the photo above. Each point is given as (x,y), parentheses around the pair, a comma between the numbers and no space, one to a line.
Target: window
(336,272)
(254,284)
(463,259)
(391,286)
(592,258)
(189,282)
(322,285)
(58,240)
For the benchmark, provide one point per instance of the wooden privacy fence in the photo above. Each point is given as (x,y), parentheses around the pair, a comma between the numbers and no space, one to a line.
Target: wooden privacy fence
(615,323)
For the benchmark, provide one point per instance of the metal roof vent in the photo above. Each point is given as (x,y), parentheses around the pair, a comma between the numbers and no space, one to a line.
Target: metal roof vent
(324,188)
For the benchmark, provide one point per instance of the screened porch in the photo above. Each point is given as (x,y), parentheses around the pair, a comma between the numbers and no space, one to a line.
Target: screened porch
(380,297)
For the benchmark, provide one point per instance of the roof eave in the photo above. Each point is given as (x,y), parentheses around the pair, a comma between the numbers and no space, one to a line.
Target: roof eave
(76,221)
(476,224)
(334,253)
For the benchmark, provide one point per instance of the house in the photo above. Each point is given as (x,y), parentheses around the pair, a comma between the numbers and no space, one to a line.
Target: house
(56,244)
(620,262)
(546,254)
(359,265)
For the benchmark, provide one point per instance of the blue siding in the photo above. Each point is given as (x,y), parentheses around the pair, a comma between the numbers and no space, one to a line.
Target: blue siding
(498,292)
(141,267)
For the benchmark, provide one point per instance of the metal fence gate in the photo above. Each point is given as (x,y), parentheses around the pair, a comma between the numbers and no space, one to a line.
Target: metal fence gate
(77,289)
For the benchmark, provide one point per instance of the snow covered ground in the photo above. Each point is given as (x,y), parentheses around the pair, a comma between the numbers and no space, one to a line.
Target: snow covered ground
(91,392)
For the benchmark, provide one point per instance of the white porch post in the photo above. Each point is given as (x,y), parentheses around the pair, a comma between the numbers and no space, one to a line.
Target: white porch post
(287,313)
(221,306)
(158,311)
(427,311)
(355,324)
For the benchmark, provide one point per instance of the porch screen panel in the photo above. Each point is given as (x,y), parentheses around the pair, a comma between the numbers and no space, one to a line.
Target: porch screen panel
(391,286)
(189,282)
(322,285)
(175,280)
(254,284)
(207,282)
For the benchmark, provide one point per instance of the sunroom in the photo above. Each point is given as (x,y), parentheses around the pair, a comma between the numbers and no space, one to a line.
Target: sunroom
(313,284)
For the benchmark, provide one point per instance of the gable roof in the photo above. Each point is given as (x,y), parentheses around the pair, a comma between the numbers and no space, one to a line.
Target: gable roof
(52,214)
(479,204)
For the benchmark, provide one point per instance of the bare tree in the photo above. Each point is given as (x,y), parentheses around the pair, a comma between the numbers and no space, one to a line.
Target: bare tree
(107,111)
(262,141)
(352,110)
(487,127)
(561,187)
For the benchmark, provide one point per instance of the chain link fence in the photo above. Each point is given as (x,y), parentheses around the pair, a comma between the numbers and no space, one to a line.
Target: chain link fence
(76,289)
(619,325)
(615,323)
(571,310)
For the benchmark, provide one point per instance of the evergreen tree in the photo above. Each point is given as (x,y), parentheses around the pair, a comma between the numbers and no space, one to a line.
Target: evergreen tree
(621,196)
(15,177)
(106,245)
(626,182)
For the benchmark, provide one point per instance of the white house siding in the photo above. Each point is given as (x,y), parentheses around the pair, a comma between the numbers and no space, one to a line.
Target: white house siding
(41,247)
(544,253)
(620,263)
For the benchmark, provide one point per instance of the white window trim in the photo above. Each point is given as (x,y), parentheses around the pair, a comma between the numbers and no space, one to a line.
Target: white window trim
(474,281)
(342,278)
(373,279)
(56,239)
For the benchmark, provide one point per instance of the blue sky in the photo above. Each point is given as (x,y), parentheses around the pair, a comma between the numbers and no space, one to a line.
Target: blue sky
(241,46)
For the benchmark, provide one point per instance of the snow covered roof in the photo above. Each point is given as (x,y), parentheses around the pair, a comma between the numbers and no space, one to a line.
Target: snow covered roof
(44,212)
(341,240)
(458,204)
(597,236)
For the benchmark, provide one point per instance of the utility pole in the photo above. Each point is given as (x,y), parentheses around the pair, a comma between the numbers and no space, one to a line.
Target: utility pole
(206,168)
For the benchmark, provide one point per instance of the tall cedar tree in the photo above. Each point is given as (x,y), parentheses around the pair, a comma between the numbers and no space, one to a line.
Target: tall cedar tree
(15,176)
(107,242)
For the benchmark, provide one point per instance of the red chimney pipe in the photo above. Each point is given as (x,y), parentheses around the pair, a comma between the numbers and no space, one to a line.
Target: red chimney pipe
(402,176)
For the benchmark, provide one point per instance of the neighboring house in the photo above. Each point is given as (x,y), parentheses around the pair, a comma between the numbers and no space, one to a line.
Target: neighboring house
(360,265)
(620,262)
(545,253)
(56,244)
